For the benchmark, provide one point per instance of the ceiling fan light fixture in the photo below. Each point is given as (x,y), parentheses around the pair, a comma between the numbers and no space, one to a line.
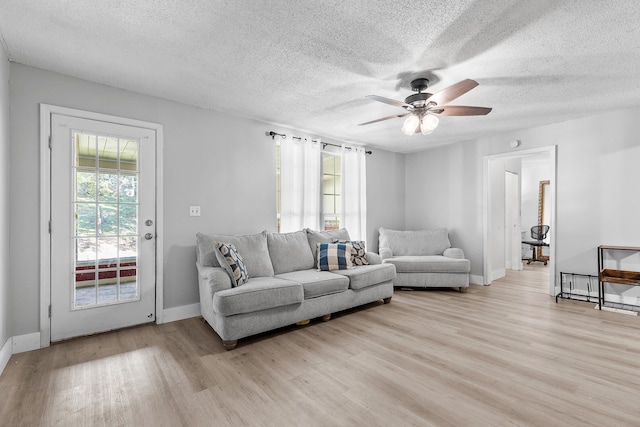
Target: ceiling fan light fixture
(428,123)
(410,125)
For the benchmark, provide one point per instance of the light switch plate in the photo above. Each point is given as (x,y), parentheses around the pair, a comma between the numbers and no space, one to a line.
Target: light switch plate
(194,210)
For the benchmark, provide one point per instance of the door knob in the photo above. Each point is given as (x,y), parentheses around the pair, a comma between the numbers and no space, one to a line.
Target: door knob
(148,236)
(148,223)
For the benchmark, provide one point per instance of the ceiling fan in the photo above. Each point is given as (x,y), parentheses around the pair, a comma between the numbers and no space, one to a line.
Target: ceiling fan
(423,108)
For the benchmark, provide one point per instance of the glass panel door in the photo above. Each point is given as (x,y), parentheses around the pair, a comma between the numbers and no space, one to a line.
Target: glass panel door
(103,257)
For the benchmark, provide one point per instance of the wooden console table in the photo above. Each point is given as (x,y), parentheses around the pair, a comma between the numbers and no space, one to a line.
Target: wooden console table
(621,277)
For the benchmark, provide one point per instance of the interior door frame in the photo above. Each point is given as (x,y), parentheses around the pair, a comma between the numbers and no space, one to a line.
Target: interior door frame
(46,110)
(515,241)
(487,229)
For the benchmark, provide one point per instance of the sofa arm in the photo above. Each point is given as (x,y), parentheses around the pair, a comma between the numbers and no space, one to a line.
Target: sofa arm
(453,253)
(214,278)
(373,258)
(385,253)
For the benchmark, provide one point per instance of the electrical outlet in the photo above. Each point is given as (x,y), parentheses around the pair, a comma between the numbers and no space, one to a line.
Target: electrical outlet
(194,210)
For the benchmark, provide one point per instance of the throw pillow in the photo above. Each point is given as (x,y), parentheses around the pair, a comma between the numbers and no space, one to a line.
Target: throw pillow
(230,259)
(358,256)
(334,256)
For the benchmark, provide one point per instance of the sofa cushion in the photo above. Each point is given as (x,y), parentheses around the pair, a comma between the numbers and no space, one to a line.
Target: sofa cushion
(368,275)
(358,255)
(317,283)
(289,251)
(421,242)
(253,248)
(259,293)
(429,264)
(316,237)
(334,256)
(231,260)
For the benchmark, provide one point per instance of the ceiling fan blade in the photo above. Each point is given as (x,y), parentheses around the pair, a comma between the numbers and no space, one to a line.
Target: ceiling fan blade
(460,110)
(452,92)
(389,101)
(394,116)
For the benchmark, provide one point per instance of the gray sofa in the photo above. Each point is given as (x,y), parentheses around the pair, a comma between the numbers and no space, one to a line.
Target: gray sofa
(284,286)
(424,258)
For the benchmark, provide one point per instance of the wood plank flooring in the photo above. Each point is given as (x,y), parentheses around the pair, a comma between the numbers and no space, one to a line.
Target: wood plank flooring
(501,355)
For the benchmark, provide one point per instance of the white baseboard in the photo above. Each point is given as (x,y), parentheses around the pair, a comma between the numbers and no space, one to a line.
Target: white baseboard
(476,280)
(498,274)
(26,342)
(178,313)
(5,354)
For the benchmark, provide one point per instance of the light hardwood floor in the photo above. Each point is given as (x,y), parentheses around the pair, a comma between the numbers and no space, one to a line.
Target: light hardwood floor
(505,354)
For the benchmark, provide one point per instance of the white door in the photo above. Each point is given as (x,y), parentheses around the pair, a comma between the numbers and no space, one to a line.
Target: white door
(102,226)
(512,233)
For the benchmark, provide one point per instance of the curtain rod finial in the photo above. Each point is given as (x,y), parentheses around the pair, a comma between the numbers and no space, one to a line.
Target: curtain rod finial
(273,134)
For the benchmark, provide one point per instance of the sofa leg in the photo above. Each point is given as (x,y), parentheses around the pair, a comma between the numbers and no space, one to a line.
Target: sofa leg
(463,289)
(326,317)
(229,345)
(387,300)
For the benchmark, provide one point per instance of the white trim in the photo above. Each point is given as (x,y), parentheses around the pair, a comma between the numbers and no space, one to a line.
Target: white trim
(475,280)
(5,353)
(159,224)
(45,216)
(183,312)
(486,228)
(45,206)
(26,342)
(497,274)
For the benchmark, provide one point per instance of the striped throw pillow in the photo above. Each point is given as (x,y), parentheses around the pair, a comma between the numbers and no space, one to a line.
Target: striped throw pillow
(334,256)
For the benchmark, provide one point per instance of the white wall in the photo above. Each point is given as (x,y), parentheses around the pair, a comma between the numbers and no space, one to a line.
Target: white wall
(597,195)
(444,189)
(5,230)
(385,195)
(223,163)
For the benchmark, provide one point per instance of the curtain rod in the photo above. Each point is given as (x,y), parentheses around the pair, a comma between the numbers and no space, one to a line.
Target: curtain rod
(273,135)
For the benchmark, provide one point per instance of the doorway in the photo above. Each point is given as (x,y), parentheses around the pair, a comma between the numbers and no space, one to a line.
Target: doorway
(495,211)
(104,223)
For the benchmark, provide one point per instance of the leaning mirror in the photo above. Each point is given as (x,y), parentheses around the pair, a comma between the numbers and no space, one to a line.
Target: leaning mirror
(544,216)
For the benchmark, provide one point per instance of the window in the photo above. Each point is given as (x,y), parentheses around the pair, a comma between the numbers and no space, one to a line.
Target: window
(331,184)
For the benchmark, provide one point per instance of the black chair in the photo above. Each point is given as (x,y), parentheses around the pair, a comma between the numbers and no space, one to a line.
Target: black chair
(538,233)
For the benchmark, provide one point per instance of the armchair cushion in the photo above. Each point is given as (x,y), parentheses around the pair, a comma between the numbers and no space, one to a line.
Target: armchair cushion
(421,242)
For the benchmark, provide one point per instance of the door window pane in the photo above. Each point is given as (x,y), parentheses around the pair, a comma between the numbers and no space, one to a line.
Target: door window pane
(106,220)
(331,184)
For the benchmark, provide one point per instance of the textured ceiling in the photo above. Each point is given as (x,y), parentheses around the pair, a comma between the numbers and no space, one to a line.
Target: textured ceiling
(309,64)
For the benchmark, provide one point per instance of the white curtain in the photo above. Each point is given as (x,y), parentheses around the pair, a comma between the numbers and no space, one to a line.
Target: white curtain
(354,192)
(300,178)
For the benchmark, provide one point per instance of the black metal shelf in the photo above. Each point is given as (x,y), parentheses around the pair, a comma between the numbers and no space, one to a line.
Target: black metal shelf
(568,288)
